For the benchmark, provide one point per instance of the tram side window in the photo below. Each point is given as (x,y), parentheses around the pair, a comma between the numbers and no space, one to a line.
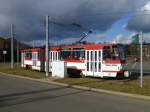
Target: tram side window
(99,55)
(78,54)
(28,55)
(82,54)
(87,55)
(65,54)
(95,55)
(73,54)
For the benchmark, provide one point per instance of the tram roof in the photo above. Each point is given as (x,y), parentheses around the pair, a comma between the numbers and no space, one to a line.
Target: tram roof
(31,50)
(80,46)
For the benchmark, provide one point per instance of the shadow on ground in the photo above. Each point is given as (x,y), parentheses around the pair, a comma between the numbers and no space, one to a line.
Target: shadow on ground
(33,96)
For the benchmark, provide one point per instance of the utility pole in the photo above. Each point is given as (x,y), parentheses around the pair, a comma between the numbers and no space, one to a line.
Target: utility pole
(17,52)
(141,59)
(33,44)
(47,45)
(12,46)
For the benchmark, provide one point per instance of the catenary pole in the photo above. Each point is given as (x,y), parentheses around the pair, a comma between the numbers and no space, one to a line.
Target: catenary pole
(17,53)
(12,46)
(141,59)
(47,45)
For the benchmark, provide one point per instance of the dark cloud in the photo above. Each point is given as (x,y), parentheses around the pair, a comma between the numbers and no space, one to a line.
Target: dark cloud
(29,16)
(140,20)
(140,23)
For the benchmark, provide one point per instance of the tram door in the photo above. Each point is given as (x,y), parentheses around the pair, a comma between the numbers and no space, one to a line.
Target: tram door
(93,62)
(54,56)
(34,58)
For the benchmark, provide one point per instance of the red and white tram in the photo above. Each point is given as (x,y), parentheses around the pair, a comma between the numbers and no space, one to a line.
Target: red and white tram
(33,59)
(97,60)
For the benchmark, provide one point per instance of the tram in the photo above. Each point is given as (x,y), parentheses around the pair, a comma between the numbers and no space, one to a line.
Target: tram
(95,60)
(33,59)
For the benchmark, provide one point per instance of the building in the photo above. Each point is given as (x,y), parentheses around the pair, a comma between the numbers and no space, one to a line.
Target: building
(5,45)
(133,50)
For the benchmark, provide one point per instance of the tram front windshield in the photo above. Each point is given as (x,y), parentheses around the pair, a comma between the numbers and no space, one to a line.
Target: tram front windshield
(118,53)
(114,53)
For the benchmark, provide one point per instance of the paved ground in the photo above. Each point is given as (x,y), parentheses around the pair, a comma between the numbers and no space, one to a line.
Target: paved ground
(21,95)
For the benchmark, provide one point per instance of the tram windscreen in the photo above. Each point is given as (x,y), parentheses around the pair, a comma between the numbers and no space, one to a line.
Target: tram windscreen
(114,53)
(121,52)
(118,52)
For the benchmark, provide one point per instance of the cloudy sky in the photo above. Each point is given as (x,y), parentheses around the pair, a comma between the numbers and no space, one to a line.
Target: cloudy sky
(110,20)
